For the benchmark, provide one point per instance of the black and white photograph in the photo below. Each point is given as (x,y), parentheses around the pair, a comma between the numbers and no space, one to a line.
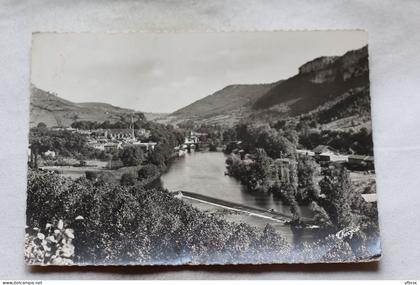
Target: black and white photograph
(200,148)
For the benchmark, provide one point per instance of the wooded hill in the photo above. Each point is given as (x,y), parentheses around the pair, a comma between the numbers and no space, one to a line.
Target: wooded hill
(327,88)
(53,110)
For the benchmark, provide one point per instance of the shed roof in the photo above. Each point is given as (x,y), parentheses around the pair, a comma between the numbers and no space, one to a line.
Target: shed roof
(370,197)
(322,148)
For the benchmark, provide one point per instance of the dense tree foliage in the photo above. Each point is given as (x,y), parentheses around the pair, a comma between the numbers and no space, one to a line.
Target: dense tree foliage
(251,172)
(338,196)
(161,155)
(307,171)
(118,225)
(41,125)
(230,135)
(148,170)
(274,142)
(131,156)
(91,175)
(268,163)
(131,224)
(165,134)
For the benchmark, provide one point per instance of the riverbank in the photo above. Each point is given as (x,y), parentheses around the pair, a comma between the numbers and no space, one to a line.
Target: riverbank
(270,214)
(258,219)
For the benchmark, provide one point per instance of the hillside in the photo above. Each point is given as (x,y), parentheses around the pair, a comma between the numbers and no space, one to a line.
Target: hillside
(332,90)
(326,88)
(229,103)
(54,111)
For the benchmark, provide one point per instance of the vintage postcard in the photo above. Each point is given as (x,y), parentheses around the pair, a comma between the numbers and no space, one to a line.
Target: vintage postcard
(200,148)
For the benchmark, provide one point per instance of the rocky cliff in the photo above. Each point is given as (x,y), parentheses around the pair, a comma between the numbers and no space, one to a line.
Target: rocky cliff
(318,81)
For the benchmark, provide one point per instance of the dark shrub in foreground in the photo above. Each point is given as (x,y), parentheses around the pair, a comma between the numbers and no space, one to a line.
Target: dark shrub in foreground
(91,175)
(123,225)
(128,179)
(132,224)
(148,171)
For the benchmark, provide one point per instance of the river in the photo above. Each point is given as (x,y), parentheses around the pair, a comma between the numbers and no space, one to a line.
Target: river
(204,173)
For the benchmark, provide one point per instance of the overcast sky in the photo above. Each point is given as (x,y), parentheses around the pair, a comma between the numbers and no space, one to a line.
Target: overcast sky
(162,72)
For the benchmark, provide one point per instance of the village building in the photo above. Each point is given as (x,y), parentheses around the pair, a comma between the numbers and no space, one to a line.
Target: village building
(305,152)
(325,153)
(108,147)
(118,134)
(194,137)
(197,134)
(97,145)
(84,132)
(146,146)
(191,140)
(49,153)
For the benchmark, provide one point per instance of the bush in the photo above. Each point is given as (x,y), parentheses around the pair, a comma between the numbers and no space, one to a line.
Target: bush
(213,147)
(50,246)
(91,175)
(148,171)
(161,155)
(131,156)
(123,225)
(128,179)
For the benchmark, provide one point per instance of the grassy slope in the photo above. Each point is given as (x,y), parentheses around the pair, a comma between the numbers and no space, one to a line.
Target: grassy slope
(226,106)
(55,111)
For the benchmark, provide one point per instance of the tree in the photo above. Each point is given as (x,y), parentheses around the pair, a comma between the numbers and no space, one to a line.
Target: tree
(41,125)
(229,135)
(131,156)
(292,136)
(91,175)
(307,170)
(140,116)
(339,196)
(258,171)
(320,215)
(147,171)
(275,144)
(160,155)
